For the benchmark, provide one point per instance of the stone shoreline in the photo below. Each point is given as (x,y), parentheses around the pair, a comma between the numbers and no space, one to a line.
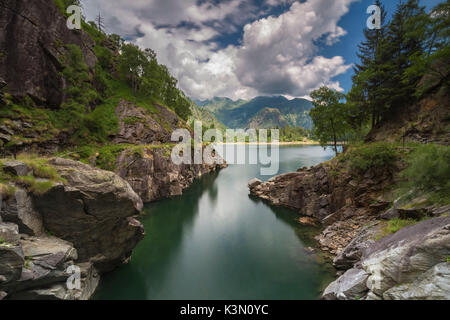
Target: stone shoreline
(354,211)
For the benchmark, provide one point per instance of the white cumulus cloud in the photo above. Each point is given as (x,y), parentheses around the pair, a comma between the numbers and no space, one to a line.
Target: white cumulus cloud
(276,54)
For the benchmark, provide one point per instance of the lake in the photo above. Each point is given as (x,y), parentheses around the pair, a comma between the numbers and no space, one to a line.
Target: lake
(216,242)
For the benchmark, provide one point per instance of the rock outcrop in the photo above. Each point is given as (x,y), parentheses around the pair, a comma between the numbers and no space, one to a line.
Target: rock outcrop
(402,257)
(32,35)
(142,126)
(20,210)
(410,264)
(153,175)
(318,192)
(328,192)
(82,227)
(94,210)
(149,168)
(431,285)
(350,286)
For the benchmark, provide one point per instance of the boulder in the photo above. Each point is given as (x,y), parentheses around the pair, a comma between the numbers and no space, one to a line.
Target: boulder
(11,263)
(254,183)
(16,168)
(350,286)
(93,210)
(431,285)
(48,250)
(32,38)
(19,209)
(402,257)
(89,280)
(354,251)
(46,260)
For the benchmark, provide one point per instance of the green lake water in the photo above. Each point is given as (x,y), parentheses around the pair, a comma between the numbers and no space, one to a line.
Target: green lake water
(216,242)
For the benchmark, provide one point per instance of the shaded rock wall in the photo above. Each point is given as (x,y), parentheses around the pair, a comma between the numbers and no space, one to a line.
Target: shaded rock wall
(153,175)
(32,35)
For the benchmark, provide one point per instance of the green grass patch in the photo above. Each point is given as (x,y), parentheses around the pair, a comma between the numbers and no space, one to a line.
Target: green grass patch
(395,225)
(132,120)
(43,179)
(34,186)
(368,156)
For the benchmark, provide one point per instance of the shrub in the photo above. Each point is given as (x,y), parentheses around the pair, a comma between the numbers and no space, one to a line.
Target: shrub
(34,186)
(428,169)
(376,155)
(395,225)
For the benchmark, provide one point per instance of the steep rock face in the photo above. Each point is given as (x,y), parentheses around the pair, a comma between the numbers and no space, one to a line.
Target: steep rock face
(150,171)
(424,122)
(32,34)
(153,175)
(141,126)
(267,118)
(11,254)
(20,210)
(94,210)
(91,221)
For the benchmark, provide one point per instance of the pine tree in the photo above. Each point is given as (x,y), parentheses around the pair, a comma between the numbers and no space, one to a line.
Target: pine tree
(368,76)
(403,43)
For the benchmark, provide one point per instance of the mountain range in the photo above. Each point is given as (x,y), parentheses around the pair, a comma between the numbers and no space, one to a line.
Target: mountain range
(260,112)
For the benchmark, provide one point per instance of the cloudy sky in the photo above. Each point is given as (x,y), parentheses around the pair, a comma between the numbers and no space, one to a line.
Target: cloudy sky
(244,48)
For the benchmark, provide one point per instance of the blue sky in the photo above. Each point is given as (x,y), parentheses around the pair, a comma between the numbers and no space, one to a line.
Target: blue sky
(245,48)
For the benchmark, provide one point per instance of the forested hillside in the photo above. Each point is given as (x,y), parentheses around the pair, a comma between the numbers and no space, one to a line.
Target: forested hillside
(241,114)
(72,101)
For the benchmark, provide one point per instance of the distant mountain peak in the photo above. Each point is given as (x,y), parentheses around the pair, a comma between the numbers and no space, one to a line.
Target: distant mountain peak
(241,113)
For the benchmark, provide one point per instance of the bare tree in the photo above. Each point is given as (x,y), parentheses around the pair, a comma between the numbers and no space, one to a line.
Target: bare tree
(100,22)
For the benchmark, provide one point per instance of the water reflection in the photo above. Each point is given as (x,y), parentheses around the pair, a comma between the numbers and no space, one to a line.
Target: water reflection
(214,242)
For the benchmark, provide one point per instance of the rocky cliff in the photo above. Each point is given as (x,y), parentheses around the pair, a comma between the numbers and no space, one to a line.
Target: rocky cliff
(32,34)
(87,221)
